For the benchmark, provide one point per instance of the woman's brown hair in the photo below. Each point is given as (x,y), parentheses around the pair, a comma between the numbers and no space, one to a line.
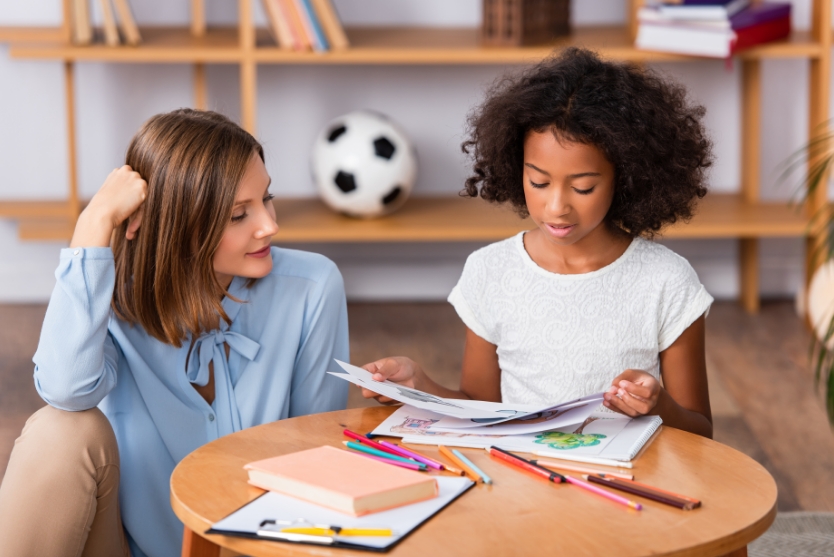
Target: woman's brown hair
(193,162)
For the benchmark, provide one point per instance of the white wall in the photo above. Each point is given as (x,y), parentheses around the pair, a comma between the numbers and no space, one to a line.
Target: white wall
(294,102)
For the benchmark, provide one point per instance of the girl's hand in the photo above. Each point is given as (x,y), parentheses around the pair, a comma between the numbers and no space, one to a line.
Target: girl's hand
(633,393)
(401,370)
(119,198)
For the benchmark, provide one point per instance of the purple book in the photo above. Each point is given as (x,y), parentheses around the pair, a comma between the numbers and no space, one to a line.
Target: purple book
(760,13)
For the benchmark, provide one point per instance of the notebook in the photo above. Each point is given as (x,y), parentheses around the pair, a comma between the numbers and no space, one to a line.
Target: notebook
(604,436)
(274,507)
(341,480)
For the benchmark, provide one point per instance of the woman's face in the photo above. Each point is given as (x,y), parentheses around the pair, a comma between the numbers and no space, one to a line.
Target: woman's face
(568,187)
(244,250)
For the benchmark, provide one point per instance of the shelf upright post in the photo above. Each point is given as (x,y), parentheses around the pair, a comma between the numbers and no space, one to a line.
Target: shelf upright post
(248,67)
(818,114)
(198,31)
(73,204)
(751,125)
(66,25)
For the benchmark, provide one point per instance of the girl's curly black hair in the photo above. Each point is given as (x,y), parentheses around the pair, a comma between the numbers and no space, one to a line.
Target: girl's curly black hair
(642,124)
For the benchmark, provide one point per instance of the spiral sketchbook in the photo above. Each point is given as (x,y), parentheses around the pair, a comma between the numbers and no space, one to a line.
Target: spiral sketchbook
(602,436)
(252,520)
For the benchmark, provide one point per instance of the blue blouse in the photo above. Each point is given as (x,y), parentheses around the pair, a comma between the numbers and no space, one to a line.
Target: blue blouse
(284,335)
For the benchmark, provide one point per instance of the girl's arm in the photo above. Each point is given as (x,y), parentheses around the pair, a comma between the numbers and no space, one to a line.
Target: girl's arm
(480,377)
(683,401)
(76,359)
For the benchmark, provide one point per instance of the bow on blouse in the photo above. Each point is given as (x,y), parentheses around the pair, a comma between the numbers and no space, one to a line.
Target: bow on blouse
(210,347)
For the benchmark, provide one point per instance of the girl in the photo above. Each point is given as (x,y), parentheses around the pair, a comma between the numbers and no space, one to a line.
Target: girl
(600,156)
(190,326)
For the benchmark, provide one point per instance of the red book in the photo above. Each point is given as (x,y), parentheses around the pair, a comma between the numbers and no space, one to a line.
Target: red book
(762,33)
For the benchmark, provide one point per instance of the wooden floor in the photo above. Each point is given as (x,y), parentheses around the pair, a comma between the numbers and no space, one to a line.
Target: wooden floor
(761,388)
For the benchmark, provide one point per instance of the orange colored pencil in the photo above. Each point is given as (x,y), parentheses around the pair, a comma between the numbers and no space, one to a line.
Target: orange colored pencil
(561,465)
(469,472)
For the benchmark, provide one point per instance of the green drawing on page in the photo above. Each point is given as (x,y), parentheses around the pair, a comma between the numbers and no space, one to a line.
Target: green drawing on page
(566,441)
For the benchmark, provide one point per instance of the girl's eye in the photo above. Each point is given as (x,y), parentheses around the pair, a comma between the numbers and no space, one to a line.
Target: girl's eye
(535,185)
(584,192)
(238,218)
(269,197)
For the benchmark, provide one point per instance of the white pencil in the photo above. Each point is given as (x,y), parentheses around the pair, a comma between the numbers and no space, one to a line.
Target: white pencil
(585,459)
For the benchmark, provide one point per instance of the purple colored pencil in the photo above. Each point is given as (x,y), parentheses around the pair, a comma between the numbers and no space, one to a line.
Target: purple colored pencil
(409,454)
(394,462)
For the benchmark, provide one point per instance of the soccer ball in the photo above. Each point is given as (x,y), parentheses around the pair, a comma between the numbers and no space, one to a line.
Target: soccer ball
(363,164)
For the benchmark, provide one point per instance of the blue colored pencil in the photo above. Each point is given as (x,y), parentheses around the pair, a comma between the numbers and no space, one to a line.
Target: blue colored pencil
(371,451)
(487,479)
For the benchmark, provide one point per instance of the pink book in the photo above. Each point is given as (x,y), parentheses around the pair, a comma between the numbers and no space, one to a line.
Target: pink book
(341,480)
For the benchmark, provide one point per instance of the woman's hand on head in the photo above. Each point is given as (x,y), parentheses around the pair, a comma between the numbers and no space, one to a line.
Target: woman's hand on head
(633,393)
(398,369)
(119,198)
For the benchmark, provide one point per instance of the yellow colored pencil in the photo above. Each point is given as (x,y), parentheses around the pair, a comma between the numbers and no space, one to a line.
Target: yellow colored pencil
(458,462)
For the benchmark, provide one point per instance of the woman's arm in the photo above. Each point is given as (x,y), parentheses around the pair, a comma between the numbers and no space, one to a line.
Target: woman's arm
(480,375)
(683,401)
(75,364)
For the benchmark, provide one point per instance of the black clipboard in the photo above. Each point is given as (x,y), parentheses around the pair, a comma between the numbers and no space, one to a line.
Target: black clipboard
(249,520)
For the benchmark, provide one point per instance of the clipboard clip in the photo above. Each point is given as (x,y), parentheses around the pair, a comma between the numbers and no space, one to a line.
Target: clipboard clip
(271,528)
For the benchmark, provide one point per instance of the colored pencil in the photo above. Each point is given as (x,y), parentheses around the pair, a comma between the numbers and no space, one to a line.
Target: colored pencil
(524,464)
(411,454)
(692,500)
(585,459)
(606,494)
(415,466)
(583,469)
(478,471)
(450,455)
(366,441)
(382,454)
(642,492)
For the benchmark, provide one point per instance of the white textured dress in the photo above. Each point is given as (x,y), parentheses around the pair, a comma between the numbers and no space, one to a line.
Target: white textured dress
(560,337)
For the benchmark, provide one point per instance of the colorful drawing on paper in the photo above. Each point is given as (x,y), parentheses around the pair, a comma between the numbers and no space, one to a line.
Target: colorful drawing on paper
(567,441)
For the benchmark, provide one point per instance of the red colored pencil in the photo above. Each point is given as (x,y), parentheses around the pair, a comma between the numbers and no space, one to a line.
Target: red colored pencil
(515,460)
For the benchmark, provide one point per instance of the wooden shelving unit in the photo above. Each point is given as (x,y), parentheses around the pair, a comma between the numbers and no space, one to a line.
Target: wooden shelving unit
(741,216)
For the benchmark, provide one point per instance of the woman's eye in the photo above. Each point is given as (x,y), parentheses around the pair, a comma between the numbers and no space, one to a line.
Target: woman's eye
(584,192)
(269,198)
(238,218)
(535,185)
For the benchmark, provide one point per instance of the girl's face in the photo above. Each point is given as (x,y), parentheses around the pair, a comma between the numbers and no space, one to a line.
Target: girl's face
(244,250)
(568,188)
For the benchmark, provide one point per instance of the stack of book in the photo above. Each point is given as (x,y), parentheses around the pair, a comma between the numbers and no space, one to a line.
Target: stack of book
(305,25)
(711,28)
(82,27)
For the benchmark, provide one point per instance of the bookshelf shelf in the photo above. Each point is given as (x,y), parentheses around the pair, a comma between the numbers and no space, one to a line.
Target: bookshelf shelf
(388,45)
(744,216)
(446,219)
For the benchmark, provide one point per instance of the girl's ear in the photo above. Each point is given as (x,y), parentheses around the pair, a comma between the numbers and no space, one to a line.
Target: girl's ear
(134,222)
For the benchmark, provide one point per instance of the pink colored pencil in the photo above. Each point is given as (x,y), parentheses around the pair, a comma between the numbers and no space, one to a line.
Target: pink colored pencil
(604,493)
(394,462)
(410,454)
(370,443)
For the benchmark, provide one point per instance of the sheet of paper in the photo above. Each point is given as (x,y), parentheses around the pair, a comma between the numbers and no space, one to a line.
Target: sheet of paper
(588,438)
(401,520)
(478,413)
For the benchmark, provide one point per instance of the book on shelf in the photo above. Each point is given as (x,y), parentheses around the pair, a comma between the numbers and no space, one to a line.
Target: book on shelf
(82,29)
(719,38)
(310,24)
(703,9)
(111,31)
(127,23)
(295,22)
(341,480)
(329,19)
(278,25)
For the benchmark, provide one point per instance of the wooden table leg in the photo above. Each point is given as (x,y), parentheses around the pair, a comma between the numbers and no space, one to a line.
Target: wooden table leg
(197,546)
(740,552)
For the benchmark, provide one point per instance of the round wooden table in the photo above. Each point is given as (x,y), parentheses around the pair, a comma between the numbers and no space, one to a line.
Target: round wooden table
(520,514)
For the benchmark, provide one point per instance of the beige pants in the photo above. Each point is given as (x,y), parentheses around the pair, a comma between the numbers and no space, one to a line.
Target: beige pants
(60,493)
